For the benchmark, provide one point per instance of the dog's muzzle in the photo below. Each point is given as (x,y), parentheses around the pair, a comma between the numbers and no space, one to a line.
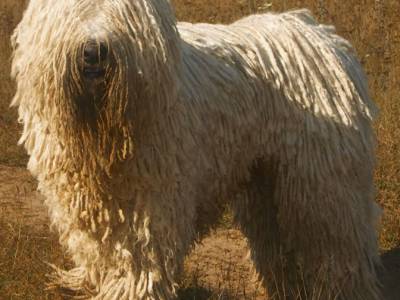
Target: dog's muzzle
(95,54)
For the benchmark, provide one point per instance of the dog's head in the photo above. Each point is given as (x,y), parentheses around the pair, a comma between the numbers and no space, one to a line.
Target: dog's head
(90,71)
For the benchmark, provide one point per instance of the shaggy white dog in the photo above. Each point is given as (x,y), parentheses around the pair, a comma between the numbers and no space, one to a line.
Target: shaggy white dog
(139,129)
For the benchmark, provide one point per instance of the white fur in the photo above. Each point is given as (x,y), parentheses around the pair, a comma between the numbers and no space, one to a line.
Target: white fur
(270,113)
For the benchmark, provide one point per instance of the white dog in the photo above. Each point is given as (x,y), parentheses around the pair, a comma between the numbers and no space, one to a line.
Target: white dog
(139,129)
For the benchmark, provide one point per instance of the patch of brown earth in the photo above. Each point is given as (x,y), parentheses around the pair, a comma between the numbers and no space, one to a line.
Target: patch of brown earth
(221,264)
(19,199)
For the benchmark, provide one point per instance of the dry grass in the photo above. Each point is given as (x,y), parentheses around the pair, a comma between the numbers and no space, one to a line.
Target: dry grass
(24,253)
(372,26)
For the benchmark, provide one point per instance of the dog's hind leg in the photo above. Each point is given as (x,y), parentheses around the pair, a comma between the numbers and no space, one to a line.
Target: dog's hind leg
(311,240)
(257,215)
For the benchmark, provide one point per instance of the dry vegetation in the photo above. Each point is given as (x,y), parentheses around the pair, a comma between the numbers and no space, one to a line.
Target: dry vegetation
(371,25)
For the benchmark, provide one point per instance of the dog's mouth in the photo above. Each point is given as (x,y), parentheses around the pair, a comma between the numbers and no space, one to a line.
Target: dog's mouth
(94,72)
(95,58)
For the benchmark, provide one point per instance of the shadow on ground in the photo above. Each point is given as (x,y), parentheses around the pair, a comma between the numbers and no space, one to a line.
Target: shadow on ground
(390,275)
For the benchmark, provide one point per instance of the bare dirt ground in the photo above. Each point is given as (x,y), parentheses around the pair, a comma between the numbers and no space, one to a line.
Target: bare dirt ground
(19,198)
(218,268)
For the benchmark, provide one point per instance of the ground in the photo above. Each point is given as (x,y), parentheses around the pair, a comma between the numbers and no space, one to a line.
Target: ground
(218,268)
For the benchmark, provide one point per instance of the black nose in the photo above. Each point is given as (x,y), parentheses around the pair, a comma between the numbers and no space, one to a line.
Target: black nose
(95,52)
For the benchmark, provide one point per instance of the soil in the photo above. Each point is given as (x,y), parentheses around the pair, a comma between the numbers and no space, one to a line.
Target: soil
(218,268)
(19,198)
